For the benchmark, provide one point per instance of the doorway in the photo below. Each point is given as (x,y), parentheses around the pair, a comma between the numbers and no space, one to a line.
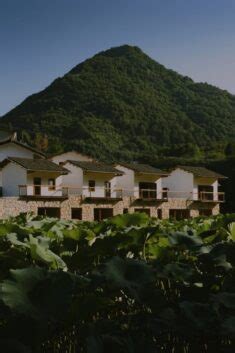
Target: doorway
(107,189)
(37,182)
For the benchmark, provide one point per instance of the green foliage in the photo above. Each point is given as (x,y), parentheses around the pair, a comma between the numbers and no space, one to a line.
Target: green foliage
(103,102)
(127,284)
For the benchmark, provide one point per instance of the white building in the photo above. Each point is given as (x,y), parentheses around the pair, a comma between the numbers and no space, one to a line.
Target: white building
(91,179)
(194,183)
(141,181)
(26,177)
(11,147)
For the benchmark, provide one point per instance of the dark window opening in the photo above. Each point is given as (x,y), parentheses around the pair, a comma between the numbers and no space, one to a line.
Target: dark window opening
(205,192)
(165,193)
(159,213)
(91,185)
(37,186)
(147,190)
(53,212)
(179,214)
(125,210)
(107,188)
(102,213)
(206,212)
(76,213)
(143,210)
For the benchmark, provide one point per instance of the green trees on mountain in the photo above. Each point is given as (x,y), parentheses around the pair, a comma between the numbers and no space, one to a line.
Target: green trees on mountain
(121,104)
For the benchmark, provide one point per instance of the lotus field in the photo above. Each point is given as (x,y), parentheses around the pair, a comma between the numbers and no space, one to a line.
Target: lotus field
(130,284)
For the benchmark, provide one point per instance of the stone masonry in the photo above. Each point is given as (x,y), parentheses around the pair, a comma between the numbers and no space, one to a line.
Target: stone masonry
(13,206)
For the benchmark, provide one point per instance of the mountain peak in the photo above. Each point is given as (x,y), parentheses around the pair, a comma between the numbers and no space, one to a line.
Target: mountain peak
(122,105)
(121,50)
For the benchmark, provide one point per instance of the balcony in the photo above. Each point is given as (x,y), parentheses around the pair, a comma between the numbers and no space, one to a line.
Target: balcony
(63,192)
(205,196)
(101,193)
(42,192)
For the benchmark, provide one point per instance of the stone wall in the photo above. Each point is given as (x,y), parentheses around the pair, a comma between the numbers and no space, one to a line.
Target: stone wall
(13,206)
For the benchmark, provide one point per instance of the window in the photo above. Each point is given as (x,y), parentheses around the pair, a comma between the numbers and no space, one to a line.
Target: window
(91,185)
(143,210)
(125,210)
(159,213)
(102,213)
(179,214)
(51,184)
(165,193)
(147,190)
(49,212)
(76,213)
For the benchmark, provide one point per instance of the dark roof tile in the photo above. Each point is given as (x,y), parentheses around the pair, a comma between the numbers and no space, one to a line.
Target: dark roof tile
(143,168)
(96,167)
(201,172)
(43,165)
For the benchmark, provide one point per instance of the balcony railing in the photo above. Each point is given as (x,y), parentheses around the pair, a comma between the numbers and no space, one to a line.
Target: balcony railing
(65,191)
(203,196)
(40,191)
(211,196)
(153,194)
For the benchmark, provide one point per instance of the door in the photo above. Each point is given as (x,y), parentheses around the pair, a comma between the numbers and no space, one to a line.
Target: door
(107,189)
(37,182)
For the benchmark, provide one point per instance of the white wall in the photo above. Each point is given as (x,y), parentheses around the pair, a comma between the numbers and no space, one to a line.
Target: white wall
(126,181)
(100,179)
(13,150)
(45,176)
(12,176)
(180,184)
(72,155)
(73,180)
(129,181)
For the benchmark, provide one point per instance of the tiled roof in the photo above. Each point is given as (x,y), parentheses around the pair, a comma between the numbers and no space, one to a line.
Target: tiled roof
(143,168)
(11,139)
(202,172)
(96,167)
(36,164)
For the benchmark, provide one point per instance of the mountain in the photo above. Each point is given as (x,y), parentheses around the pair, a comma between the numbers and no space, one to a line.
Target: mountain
(121,104)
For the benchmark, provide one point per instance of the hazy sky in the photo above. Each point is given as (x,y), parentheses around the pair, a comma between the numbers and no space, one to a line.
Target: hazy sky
(43,39)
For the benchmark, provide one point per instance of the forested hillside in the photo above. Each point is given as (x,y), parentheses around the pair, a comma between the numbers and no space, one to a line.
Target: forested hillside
(121,104)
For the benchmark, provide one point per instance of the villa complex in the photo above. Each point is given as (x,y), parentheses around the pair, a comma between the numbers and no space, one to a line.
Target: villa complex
(75,186)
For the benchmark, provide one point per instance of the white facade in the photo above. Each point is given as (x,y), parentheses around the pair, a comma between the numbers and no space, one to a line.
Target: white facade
(184,185)
(11,149)
(129,182)
(17,181)
(180,184)
(13,175)
(77,182)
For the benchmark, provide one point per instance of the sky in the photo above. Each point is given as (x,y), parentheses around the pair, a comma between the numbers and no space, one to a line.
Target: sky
(41,40)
